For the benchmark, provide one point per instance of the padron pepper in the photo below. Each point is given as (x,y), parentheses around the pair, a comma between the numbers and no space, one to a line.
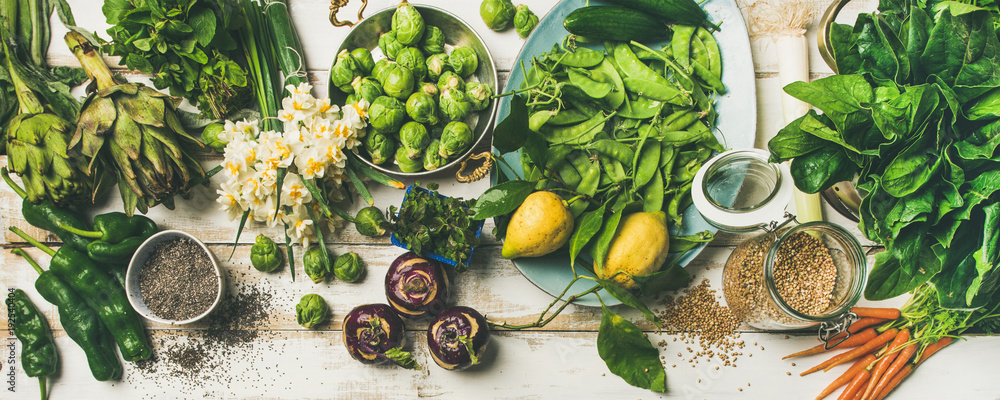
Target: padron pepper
(46,215)
(80,322)
(116,235)
(38,350)
(265,255)
(102,294)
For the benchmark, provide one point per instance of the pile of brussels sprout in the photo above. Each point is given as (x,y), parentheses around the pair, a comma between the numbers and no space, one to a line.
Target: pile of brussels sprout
(419,96)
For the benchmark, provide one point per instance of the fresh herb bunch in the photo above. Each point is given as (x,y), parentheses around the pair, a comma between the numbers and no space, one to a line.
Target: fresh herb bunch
(186,45)
(915,114)
(428,221)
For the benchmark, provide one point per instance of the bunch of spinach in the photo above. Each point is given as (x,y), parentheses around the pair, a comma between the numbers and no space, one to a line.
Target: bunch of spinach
(914,115)
(185,45)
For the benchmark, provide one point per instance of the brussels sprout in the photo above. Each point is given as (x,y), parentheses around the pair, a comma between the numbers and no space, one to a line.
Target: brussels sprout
(437,64)
(414,138)
(352,98)
(312,310)
(379,68)
(389,44)
(344,71)
(407,164)
(408,24)
(455,106)
(479,95)
(432,156)
(464,61)
(433,42)
(316,264)
(455,140)
(369,221)
(430,89)
(349,267)
(397,81)
(265,255)
(367,89)
(450,80)
(380,147)
(386,114)
(363,59)
(422,108)
(524,21)
(497,14)
(412,58)
(210,136)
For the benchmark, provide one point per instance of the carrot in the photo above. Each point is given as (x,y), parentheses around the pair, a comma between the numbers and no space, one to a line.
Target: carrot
(853,341)
(855,386)
(847,376)
(905,372)
(846,356)
(933,348)
(883,365)
(887,313)
(894,369)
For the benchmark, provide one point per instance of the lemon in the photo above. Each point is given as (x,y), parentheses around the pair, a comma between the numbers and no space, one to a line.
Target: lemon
(539,226)
(639,247)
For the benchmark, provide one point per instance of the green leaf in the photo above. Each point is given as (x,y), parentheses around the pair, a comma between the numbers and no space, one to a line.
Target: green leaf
(510,134)
(673,277)
(203,21)
(911,169)
(888,279)
(502,199)
(843,98)
(791,141)
(599,251)
(402,358)
(822,168)
(629,354)
(629,299)
(585,229)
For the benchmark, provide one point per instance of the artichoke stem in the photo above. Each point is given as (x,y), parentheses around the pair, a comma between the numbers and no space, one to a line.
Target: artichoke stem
(28,103)
(91,60)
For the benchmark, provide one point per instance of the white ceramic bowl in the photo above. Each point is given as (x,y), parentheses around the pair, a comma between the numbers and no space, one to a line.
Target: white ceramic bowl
(135,271)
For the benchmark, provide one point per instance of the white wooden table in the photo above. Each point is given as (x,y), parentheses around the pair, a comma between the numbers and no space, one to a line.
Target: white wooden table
(260,352)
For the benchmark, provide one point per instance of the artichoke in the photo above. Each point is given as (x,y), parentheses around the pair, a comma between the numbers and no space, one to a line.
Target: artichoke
(433,42)
(408,24)
(136,128)
(380,147)
(479,95)
(455,140)
(524,21)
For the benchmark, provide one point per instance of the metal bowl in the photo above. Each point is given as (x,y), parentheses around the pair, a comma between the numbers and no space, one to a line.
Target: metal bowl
(457,33)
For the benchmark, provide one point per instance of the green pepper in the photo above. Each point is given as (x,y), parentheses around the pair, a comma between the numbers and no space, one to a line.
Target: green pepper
(47,216)
(80,322)
(115,227)
(38,350)
(264,254)
(104,252)
(102,294)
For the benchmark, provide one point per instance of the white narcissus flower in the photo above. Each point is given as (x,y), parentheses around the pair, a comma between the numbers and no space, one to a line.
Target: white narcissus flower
(229,200)
(294,192)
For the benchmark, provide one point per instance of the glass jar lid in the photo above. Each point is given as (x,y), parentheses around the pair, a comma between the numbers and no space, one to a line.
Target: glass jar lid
(740,191)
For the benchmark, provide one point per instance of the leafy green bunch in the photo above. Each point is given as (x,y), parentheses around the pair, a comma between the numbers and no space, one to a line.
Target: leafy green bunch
(915,115)
(443,225)
(186,45)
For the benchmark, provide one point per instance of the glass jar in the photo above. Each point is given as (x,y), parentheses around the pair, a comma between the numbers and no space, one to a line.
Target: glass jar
(790,276)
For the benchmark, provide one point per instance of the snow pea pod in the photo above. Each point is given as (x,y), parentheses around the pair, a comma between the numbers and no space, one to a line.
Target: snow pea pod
(706,75)
(714,53)
(593,83)
(686,172)
(568,174)
(613,168)
(699,53)
(681,138)
(652,194)
(667,153)
(648,164)
(680,43)
(632,67)
(612,148)
(580,133)
(679,120)
(557,154)
(538,118)
(590,173)
(617,96)
(673,209)
(657,91)
(568,116)
(641,108)
(582,57)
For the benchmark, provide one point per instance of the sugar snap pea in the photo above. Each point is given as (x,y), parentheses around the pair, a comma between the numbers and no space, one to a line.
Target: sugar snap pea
(679,120)
(538,118)
(581,57)
(701,71)
(580,133)
(673,209)
(686,172)
(557,154)
(652,194)
(649,163)
(593,83)
(568,116)
(568,174)
(714,53)
(613,168)
(681,138)
(699,53)
(617,96)
(657,91)
(680,43)
(632,67)
(667,153)
(613,148)
(641,108)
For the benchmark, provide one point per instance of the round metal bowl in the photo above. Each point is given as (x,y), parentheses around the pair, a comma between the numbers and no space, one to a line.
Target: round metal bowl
(457,33)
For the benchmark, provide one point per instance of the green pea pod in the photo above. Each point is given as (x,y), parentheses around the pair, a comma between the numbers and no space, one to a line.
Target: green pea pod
(701,71)
(667,154)
(674,208)
(580,133)
(589,183)
(687,171)
(679,120)
(616,98)
(582,57)
(712,143)
(568,174)
(652,194)
(681,138)
(658,91)
(714,53)
(648,165)
(681,244)
(699,53)
(640,109)
(614,149)
(568,116)
(632,67)
(680,43)
(613,168)
(538,118)
(591,84)
(557,154)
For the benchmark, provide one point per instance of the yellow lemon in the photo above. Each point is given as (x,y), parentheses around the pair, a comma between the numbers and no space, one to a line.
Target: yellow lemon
(539,226)
(639,247)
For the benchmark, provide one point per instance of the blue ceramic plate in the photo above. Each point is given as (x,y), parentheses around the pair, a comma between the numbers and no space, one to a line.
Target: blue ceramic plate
(737,123)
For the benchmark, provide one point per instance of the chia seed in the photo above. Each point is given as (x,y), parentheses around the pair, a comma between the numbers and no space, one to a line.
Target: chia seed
(178,281)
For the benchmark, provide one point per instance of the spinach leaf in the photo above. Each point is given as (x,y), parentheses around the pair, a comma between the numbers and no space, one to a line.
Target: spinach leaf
(629,354)
(911,169)
(845,48)
(502,199)
(822,168)
(843,98)
(888,279)
(882,54)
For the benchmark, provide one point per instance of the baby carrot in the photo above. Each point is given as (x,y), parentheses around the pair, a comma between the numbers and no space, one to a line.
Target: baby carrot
(853,341)
(895,381)
(933,348)
(883,365)
(847,376)
(887,313)
(841,358)
(894,369)
(855,386)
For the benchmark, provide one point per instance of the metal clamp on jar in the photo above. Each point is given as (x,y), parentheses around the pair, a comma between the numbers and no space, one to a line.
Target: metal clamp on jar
(791,276)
